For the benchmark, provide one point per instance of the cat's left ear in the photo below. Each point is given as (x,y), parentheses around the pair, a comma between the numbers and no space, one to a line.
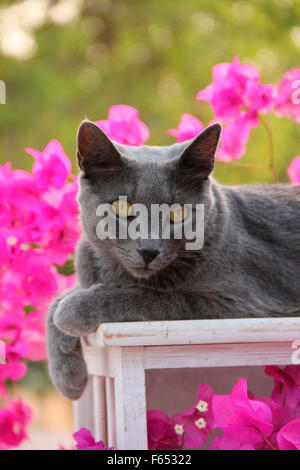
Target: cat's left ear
(198,159)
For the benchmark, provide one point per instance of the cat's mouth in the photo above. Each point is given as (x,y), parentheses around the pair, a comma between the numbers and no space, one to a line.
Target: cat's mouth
(152,269)
(144,272)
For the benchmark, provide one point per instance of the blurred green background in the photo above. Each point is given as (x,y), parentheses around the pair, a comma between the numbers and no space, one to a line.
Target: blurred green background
(67,59)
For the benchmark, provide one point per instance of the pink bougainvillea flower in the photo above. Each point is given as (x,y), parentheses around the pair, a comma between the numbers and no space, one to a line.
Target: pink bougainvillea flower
(240,418)
(15,350)
(25,334)
(17,192)
(293,170)
(11,324)
(287,95)
(62,240)
(4,249)
(13,369)
(224,442)
(196,422)
(49,219)
(51,167)
(235,91)
(234,136)
(286,390)
(161,434)
(33,333)
(37,280)
(260,99)
(13,422)
(60,224)
(289,436)
(85,441)
(234,139)
(281,415)
(39,229)
(188,127)
(123,125)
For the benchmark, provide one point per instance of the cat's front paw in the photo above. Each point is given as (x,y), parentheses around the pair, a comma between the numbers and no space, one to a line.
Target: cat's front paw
(77,314)
(69,373)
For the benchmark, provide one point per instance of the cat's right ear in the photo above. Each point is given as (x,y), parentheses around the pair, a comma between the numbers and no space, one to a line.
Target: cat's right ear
(95,152)
(197,161)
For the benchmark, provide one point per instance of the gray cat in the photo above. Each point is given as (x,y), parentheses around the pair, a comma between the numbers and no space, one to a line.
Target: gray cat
(249,265)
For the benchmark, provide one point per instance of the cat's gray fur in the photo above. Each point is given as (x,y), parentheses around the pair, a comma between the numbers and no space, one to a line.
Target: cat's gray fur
(249,265)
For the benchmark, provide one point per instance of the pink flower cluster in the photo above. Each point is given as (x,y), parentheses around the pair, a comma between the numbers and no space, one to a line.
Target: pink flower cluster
(123,125)
(238,99)
(13,422)
(85,441)
(39,230)
(189,429)
(241,421)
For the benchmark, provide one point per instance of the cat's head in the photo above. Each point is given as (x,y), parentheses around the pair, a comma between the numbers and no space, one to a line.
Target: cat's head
(151,176)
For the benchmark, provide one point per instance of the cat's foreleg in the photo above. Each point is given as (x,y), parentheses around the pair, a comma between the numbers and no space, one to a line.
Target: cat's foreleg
(66,365)
(83,311)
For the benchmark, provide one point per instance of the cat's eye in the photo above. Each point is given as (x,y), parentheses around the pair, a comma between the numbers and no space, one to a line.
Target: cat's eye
(178,214)
(122,208)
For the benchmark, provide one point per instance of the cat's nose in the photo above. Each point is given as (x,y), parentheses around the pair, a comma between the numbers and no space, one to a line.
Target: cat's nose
(148,255)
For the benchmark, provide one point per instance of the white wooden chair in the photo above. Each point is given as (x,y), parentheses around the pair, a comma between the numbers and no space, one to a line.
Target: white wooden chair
(113,406)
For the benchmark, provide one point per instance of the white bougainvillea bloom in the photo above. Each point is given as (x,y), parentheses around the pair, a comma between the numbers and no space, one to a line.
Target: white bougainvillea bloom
(178,428)
(24,246)
(200,423)
(11,241)
(202,406)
